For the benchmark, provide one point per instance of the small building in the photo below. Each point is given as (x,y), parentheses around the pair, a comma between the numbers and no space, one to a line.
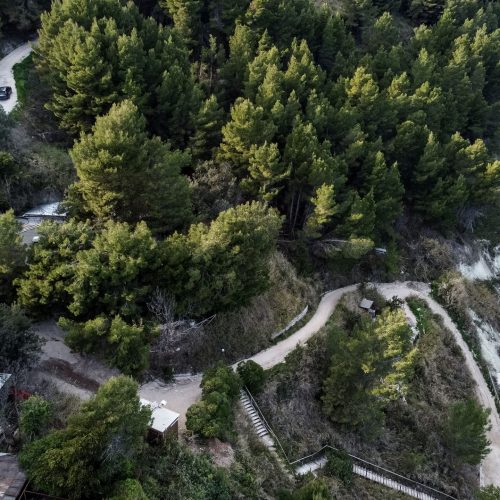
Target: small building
(6,380)
(164,423)
(12,478)
(367,305)
(34,217)
(46,211)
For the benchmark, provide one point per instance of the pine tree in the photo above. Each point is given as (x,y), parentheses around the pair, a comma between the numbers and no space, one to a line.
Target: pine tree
(302,74)
(12,254)
(225,13)
(88,80)
(267,56)
(407,148)
(359,14)
(283,21)
(361,221)
(337,45)
(51,269)
(325,207)
(446,198)
(186,15)
(427,172)
(383,34)
(424,68)
(178,96)
(266,172)
(94,53)
(125,175)
(97,446)
(247,127)
(208,124)
(235,70)
(221,266)
(366,370)
(388,193)
(427,11)
(119,254)
(270,91)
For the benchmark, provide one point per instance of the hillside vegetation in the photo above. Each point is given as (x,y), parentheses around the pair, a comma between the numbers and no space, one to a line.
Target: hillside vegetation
(221,163)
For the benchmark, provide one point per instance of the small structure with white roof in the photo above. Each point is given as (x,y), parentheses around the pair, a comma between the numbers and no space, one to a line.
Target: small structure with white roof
(31,219)
(5,385)
(165,422)
(367,305)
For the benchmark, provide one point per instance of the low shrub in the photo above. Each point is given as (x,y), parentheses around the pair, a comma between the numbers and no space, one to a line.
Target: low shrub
(213,415)
(339,465)
(252,375)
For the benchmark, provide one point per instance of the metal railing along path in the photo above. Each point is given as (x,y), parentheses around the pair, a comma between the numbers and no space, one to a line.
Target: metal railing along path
(361,467)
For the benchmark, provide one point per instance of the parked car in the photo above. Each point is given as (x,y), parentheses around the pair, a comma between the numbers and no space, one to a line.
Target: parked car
(5,93)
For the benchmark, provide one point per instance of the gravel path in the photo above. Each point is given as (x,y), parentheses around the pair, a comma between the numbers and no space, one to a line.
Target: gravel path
(7,76)
(490,467)
(186,389)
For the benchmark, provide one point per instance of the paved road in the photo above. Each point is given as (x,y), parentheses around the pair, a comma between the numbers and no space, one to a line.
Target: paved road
(7,76)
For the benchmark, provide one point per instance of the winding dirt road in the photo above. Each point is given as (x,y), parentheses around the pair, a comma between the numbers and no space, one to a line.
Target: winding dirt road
(7,75)
(186,389)
(490,467)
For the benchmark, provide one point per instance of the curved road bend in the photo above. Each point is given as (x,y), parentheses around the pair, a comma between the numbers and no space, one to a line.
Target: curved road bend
(490,467)
(186,390)
(7,74)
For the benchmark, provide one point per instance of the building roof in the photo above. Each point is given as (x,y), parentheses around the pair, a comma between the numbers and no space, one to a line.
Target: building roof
(163,418)
(45,210)
(4,378)
(12,478)
(366,304)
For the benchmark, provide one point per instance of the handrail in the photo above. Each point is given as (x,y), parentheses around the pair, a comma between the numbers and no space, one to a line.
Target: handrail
(268,427)
(367,465)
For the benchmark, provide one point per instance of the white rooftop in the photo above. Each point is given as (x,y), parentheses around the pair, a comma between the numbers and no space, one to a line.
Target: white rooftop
(45,210)
(366,304)
(4,377)
(163,418)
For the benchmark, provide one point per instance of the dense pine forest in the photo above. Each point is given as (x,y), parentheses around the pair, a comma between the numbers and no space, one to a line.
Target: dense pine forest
(236,125)
(217,159)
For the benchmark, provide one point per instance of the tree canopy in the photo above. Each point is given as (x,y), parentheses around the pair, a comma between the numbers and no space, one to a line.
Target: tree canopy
(124,175)
(95,449)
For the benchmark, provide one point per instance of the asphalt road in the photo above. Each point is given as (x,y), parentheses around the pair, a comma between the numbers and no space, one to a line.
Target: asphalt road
(7,75)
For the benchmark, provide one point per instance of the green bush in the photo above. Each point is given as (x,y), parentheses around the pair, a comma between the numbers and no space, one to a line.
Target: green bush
(339,465)
(252,375)
(36,415)
(21,71)
(213,415)
(489,493)
(130,489)
(313,489)
(465,431)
